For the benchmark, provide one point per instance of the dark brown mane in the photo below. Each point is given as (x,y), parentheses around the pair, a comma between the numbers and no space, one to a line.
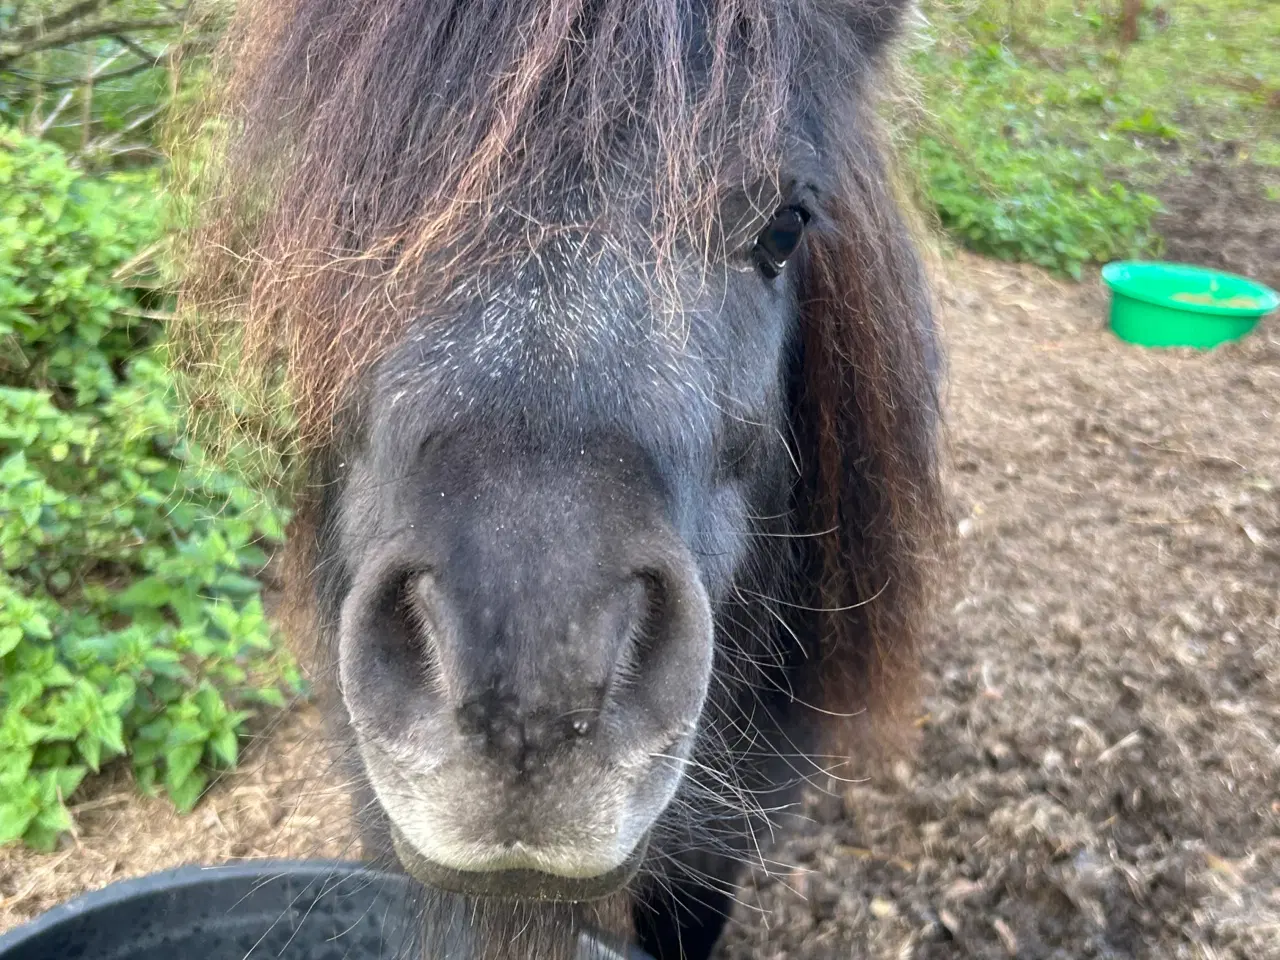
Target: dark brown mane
(872,404)
(361,151)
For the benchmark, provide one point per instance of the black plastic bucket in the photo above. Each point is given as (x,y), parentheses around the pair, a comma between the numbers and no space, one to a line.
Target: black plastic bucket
(264,910)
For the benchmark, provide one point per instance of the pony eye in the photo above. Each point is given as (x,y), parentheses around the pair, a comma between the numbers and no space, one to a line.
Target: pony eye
(778,240)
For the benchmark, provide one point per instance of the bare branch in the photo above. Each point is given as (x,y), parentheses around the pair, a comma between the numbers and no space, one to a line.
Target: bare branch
(47,122)
(86,101)
(77,81)
(137,49)
(89,32)
(144,118)
(101,74)
(77,11)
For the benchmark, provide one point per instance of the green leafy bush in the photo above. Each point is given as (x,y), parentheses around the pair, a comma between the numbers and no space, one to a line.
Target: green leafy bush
(1005,181)
(131,622)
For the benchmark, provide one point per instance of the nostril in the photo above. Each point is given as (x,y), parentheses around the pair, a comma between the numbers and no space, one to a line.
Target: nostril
(653,622)
(664,667)
(417,593)
(405,625)
(646,626)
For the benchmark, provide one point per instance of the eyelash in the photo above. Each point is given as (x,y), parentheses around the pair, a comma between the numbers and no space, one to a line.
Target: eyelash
(779,240)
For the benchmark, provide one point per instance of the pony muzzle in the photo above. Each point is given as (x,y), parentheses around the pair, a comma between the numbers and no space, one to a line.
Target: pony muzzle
(515,884)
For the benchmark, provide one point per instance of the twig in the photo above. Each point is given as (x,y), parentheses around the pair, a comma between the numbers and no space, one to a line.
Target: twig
(76,81)
(76,11)
(1186,452)
(43,127)
(16,52)
(138,50)
(114,800)
(161,315)
(38,94)
(151,115)
(1128,740)
(142,256)
(107,144)
(86,103)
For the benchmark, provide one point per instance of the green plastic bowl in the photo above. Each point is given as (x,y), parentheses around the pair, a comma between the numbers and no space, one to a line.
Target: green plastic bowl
(1177,305)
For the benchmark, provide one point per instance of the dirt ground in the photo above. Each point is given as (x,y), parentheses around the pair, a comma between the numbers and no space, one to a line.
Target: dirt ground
(1099,773)
(1225,213)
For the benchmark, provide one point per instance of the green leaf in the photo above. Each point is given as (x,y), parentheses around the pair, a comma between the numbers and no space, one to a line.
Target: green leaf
(157,731)
(10,637)
(53,818)
(58,676)
(110,729)
(232,675)
(225,746)
(271,697)
(15,818)
(37,625)
(68,779)
(187,732)
(166,663)
(149,592)
(21,690)
(90,748)
(186,793)
(129,623)
(237,585)
(14,763)
(120,694)
(145,752)
(181,761)
(41,838)
(212,709)
(145,777)
(253,557)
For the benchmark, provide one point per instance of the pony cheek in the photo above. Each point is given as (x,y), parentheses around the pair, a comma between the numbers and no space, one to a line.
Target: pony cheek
(720,541)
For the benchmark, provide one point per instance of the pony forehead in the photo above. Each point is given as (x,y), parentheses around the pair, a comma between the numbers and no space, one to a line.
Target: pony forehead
(572,307)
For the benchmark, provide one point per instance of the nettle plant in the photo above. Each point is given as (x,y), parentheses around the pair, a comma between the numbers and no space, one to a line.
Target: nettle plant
(131,616)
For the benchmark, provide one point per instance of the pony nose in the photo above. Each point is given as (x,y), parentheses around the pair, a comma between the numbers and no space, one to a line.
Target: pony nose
(529,671)
(556,657)
(531,607)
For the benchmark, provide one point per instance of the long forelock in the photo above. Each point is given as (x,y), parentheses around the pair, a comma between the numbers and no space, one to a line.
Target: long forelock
(358,156)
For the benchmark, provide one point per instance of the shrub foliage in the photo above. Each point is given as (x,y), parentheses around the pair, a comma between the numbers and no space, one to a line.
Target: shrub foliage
(131,618)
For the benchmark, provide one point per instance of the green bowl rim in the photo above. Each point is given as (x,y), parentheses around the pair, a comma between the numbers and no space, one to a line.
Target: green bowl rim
(1113,274)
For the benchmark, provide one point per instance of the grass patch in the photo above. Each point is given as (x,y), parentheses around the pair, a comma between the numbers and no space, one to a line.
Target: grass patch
(1046,136)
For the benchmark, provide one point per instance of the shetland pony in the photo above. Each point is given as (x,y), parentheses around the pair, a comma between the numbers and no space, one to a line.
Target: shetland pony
(611,375)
